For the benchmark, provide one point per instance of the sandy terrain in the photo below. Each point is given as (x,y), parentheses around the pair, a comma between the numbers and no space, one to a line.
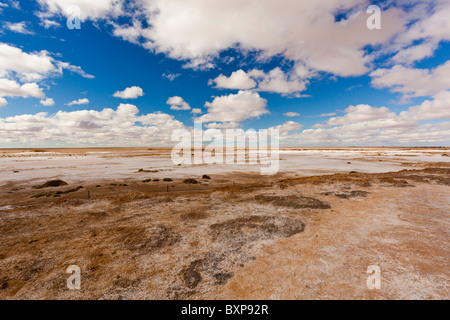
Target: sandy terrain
(308,232)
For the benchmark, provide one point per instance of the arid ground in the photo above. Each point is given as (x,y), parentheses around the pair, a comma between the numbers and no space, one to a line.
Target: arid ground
(141,228)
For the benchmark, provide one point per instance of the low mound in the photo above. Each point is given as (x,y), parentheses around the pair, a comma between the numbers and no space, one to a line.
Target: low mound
(51,183)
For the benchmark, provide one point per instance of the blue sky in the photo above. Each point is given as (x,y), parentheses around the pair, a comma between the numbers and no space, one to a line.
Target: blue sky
(349,85)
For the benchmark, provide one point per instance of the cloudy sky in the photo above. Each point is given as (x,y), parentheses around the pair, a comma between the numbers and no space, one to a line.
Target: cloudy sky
(136,70)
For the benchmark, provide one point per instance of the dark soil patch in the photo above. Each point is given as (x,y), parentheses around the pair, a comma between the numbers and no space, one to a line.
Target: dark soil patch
(197,214)
(391,182)
(191,278)
(238,232)
(223,277)
(145,240)
(297,202)
(352,194)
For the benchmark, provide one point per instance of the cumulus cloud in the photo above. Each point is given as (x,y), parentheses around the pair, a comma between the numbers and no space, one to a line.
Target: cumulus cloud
(48,102)
(79,102)
(429,26)
(306,31)
(235,107)
(94,10)
(10,88)
(326,44)
(413,82)
(360,113)
(27,66)
(196,111)
(367,125)
(274,81)
(34,66)
(130,93)
(177,103)
(237,80)
(286,129)
(108,127)
(321,35)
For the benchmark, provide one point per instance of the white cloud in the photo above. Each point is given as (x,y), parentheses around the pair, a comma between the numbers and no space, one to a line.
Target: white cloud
(130,93)
(3,102)
(273,81)
(415,53)
(48,102)
(177,103)
(438,108)
(305,31)
(74,69)
(130,33)
(430,25)
(27,66)
(287,129)
(327,114)
(34,66)
(237,80)
(222,125)
(277,81)
(366,125)
(413,82)
(171,76)
(196,111)
(89,9)
(18,27)
(10,88)
(47,24)
(291,114)
(360,113)
(108,127)
(235,107)
(79,102)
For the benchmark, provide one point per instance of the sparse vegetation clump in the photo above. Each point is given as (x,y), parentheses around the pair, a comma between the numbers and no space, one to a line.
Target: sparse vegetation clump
(206,177)
(167,179)
(42,194)
(190,181)
(56,194)
(152,171)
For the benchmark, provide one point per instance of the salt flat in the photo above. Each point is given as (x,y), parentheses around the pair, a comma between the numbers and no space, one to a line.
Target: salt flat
(308,232)
(87,165)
